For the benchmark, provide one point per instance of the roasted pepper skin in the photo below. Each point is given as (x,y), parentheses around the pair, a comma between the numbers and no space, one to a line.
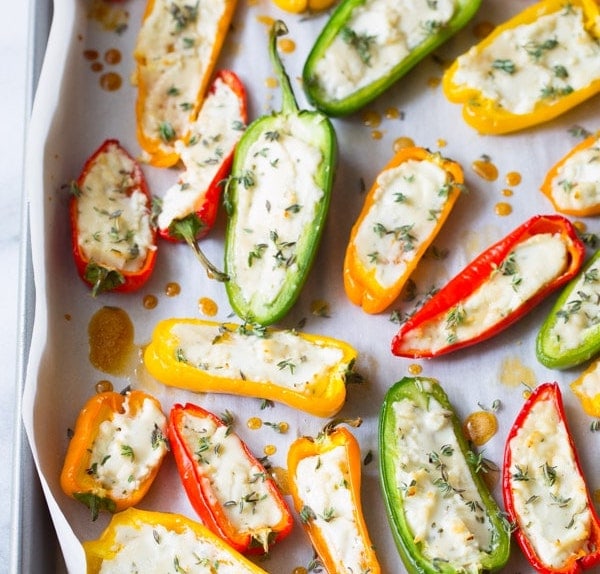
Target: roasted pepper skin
(99,277)
(76,480)
(547,350)
(589,559)
(485,115)
(331,437)
(478,272)
(249,301)
(106,546)
(335,26)
(327,394)
(197,484)
(415,561)
(360,283)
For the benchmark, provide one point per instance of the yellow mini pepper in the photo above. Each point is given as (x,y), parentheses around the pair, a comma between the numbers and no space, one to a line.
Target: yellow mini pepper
(298,6)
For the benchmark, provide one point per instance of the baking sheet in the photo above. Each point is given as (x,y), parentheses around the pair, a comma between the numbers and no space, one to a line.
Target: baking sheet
(73,115)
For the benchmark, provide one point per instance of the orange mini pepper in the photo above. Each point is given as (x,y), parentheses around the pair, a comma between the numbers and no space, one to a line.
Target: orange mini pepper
(324,478)
(402,213)
(176,52)
(573,183)
(117,448)
(162,542)
(507,94)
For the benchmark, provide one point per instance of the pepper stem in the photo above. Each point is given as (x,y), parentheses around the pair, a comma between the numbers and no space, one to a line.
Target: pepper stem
(331,425)
(288,104)
(187,229)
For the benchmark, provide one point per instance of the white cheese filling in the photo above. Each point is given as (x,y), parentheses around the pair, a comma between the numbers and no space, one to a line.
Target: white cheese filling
(277,200)
(238,485)
(549,494)
(113,221)
(406,206)
(377,37)
(532,63)
(154,548)
(588,384)
(282,358)
(127,448)
(442,506)
(323,486)
(579,317)
(533,263)
(577,182)
(174,48)
(214,135)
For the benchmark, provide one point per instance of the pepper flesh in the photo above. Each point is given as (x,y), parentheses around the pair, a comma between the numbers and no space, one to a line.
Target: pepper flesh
(299,6)
(361,278)
(209,553)
(435,478)
(318,521)
(486,114)
(445,311)
(80,478)
(249,362)
(580,197)
(570,334)
(552,494)
(175,38)
(198,436)
(118,178)
(359,53)
(586,388)
(275,225)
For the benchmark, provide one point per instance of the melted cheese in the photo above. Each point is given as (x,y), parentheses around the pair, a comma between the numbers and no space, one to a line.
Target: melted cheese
(533,263)
(441,503)
(238,484)
(113,221)
(277,200)
(576,185)
(531,63)
(127,448)
(154,548)
(550,496)
(282,358)
(579,317)
(215,133)
(323,486)
(379,35)
(402,217)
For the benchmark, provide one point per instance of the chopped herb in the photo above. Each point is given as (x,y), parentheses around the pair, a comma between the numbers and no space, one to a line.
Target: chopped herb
(360,42)
(507,66)
(166,132)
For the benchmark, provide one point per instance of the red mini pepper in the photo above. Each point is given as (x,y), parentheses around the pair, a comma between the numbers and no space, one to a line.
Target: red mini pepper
(545,495)
(447,323)
(229,488)
(113,239)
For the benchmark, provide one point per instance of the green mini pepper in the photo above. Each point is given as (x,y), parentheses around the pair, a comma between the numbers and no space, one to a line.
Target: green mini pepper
(363,50)
(277,198)
(570,335)
(442,515)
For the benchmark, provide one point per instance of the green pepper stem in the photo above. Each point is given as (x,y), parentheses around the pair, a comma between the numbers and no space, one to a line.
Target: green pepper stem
(289,105)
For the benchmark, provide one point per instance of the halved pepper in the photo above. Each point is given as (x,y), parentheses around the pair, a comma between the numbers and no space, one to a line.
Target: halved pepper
(305,371)
(277,197)
(366,47)
(402,213)
(162,542)
(570,335)
(176,52)
(545,494)
(324,475)
(530,69)
(573,183)
(112,236)
(228,487)
(117,448)
(442,515)
(498,287)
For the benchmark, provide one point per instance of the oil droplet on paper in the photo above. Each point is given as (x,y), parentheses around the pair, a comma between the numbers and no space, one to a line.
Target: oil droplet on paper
(482,29)
(376,134)
(287,46)
(415,369)
(403,142)
(110,337)
(254,423)
(150,301)
(271,83)
(319,307)
(207,306)
(281,478)
(507,192)
(393,114)
(172,289)
(514,373)
(270,450)
(371,119)
(502,208)
(485,169)
(111,81)
(103,386)
(479,427)
(513,178)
